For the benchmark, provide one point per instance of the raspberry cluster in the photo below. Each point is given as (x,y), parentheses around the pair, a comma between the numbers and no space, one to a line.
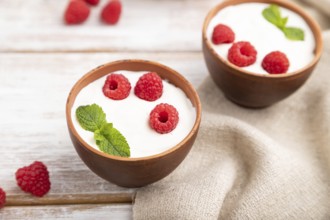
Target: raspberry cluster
(149,87)
(244,54)
(77,11)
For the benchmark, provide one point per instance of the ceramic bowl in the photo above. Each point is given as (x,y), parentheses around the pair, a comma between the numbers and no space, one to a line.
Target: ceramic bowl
(133,172)
(255,90)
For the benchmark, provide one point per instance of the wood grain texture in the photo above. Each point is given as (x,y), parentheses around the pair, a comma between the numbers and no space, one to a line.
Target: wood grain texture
(145,25)
(63,212)
(33,93)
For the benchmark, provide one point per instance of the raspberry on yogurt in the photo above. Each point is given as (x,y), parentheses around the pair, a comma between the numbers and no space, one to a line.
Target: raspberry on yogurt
(276,63)
(164,118)
(149,87)
(222,34)
(116,87)
(242,54)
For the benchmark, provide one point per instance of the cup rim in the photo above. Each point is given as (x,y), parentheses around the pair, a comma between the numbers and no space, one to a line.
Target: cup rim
(314,26)
(74,132)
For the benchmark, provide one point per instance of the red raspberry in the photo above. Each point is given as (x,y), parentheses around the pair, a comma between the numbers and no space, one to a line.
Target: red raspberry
(222,34)
(2,198)
(116,87)
(242,54)
(111,12)
(149,87)
(164,118)
(76,12)
(34,179)
(276,63)
(93,2)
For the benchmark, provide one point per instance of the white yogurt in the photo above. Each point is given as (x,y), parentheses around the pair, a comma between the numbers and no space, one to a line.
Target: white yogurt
(248,24)
(131,116)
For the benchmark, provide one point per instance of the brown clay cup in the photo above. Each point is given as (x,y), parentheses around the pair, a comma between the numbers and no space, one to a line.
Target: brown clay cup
(134,172)
(253,90)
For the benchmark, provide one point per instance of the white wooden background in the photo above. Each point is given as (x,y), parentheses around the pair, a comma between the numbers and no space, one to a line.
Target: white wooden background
(40,60)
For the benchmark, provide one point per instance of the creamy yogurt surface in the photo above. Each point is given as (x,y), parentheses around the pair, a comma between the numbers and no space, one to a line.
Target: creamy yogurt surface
(131,116)
(248,24)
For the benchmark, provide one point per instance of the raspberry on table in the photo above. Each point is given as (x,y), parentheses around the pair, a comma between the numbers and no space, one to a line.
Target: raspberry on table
(111,12)
(93,2)
(76,12)
(33,179)
(276,62)
(149,87)
(164,118)
(116,87)
(222,34)
(2,198)
(242,54)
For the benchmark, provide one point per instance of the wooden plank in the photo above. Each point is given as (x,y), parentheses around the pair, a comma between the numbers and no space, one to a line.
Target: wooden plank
(69,199)
(145,25)
(33,92)
(81,212)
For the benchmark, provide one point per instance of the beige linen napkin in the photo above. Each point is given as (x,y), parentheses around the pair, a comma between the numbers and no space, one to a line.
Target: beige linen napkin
(271,163)
(322,5)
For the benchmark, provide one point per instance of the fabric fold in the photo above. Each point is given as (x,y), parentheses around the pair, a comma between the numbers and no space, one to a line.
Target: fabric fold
(322,5)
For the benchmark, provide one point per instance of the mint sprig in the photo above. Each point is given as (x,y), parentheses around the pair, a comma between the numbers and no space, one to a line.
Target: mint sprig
(91,117)
(108,139)
(293,33)
(111,141)
(273,15)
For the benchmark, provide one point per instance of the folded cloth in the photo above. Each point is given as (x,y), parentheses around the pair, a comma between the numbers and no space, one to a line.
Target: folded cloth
(322,5)
(271,163)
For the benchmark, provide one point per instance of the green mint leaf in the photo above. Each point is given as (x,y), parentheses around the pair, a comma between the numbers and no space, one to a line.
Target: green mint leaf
(276,10)
(293,33)
(284,21)
(273,15)
(111,141)
(91,117)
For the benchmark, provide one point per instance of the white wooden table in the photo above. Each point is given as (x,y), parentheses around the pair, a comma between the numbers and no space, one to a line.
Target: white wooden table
(40,60)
